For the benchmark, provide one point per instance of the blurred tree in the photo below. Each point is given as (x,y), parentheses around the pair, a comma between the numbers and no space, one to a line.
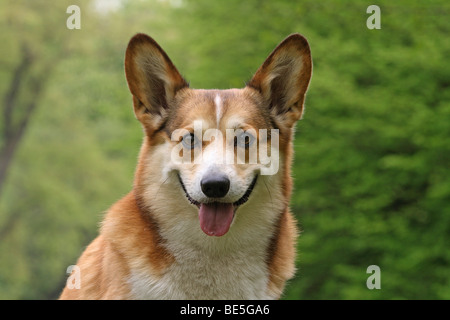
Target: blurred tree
(78,142)
(32,63)
(371,153)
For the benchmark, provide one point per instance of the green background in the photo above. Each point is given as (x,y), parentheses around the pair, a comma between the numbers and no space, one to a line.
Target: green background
(372,153)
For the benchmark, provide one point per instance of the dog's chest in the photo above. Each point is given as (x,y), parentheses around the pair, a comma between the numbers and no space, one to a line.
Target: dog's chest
(199,275)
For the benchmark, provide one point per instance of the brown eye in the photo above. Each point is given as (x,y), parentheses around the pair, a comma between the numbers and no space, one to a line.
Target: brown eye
(244,140)
(190,141)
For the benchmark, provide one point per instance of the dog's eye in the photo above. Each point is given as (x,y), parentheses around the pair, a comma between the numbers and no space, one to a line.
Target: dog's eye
(190,141)
(244,140)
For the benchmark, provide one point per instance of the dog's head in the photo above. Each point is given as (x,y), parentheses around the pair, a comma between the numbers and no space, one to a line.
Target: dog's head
(214,146)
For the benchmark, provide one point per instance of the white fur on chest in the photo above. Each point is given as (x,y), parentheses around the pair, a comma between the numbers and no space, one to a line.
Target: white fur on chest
(229,267)
(233,266)
(196,276)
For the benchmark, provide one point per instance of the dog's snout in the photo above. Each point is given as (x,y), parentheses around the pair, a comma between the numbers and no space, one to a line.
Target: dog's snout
(215,186)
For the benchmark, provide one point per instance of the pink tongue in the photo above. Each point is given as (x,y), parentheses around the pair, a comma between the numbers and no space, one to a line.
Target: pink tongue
(216,218)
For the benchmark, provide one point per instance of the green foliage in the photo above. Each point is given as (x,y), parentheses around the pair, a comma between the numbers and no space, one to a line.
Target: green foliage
(371,154)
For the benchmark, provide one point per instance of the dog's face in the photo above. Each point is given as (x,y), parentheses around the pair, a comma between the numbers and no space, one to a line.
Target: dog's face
(215,145)
(215,138)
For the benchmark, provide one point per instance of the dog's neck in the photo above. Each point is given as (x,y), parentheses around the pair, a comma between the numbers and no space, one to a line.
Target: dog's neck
(240,256)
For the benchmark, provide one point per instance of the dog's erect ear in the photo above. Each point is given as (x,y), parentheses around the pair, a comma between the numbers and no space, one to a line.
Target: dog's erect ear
(283,79)
(152,78)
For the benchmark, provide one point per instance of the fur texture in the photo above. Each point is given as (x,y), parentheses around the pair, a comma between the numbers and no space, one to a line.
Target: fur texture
(151,245)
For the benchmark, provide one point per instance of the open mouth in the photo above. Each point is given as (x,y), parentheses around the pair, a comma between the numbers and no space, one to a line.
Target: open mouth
(216,217)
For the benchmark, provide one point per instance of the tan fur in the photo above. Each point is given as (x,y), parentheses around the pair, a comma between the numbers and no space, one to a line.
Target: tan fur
(127,238)
(150,244)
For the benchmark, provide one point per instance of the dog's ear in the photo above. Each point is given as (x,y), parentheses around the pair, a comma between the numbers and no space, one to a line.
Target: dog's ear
(152,79)
(283,79)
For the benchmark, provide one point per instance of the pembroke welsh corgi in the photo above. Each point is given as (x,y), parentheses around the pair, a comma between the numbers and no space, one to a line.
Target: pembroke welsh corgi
(208,215)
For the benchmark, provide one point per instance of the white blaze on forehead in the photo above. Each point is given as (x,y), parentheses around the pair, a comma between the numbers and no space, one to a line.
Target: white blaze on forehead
(218,103)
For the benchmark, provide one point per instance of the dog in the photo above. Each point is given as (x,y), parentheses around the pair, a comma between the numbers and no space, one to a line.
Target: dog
(203,228)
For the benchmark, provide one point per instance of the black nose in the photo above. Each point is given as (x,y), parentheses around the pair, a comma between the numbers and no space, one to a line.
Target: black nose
(215,185)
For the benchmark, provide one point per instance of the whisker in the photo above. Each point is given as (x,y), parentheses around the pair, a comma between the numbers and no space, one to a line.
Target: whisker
(268,190)
(156,196)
